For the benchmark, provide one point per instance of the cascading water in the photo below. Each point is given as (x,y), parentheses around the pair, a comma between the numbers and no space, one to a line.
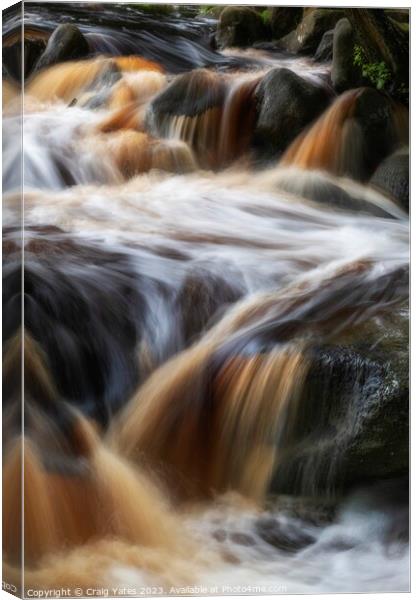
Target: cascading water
(174,298)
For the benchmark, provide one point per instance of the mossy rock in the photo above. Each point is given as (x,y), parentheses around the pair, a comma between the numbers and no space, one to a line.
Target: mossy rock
(283,20)
(240,27)
(306,37)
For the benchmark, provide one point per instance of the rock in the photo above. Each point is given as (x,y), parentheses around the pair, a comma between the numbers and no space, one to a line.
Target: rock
(325,189)
(283,535)
(78,323)
(324,50)
(344,73)
(286,104)
(66,43)
(392,177)
(375,116)
(190,94)
(12,57)
(360,128)
(308,34)
(383,40)
(283,20)
(202,296)
(352,422)
(240,26)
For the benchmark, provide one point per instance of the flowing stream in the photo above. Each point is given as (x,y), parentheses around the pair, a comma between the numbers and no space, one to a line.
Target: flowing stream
(173,290)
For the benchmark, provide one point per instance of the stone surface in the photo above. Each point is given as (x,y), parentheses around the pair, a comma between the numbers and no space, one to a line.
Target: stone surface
(240,26)
(306,37)
(352,422)
(344,73)
(66,43)
(327,190)
(190,94)
(284,19)
(324,51)
(392,177)
(286,104)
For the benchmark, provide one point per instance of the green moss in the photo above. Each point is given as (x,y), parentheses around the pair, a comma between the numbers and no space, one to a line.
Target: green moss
(266,16)
(377,73)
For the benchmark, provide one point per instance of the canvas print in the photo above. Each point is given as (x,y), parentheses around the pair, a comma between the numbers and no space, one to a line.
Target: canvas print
(205,299)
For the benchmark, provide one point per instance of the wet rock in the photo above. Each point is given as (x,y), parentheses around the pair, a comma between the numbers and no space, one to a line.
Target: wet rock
(242,539)
(344,73)
(392,177)
(308,34)
(285,536)
(202,295)
(12,57)
(375,116)
(190,94)
(66,43)
(283,20)
(352,422)
(80,324)
(240,26)
(324,51)
(286,104)
(325,189)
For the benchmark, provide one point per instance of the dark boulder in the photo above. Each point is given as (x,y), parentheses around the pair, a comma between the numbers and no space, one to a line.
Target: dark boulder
(190,94)
(324,50)
(284,535)
(286,104)
(306,37)
(284,19)
(392,177)
(240,26)
(12,57)
(352,422)
(344,73)
(66,43)
(375,115)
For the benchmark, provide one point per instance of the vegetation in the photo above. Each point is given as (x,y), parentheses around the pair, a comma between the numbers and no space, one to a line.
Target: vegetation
(377,73)
(266,15)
